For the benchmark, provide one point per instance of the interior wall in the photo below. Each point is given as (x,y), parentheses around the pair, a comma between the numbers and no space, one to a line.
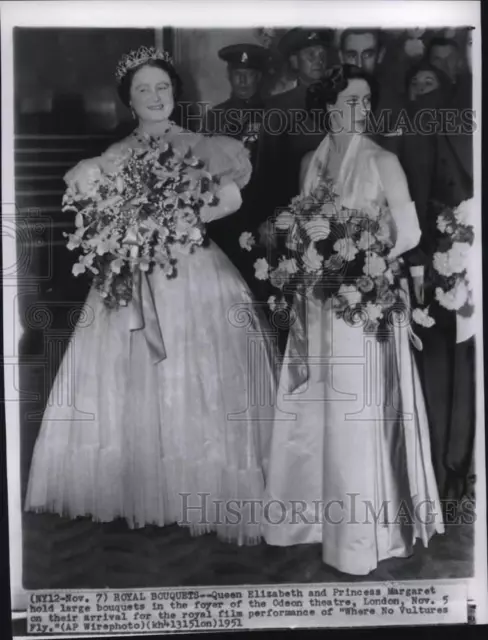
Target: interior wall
(66,76)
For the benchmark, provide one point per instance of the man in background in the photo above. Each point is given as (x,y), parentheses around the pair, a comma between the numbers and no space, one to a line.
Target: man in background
(365,48)
(289,132)
(239,117)
(444,54)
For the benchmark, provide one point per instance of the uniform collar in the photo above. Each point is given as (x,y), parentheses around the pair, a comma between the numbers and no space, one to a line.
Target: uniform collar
(255,101)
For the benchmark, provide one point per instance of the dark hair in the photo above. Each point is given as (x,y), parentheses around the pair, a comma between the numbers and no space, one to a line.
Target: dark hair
(425,65)
(325,92)
(126,82)
(377,33)
(440,41)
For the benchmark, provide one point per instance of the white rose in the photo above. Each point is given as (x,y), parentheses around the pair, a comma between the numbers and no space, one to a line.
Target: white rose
(350,292)
(261,269)
(246,241)
(195,235)
(346,248)
(375,265)
(441,263)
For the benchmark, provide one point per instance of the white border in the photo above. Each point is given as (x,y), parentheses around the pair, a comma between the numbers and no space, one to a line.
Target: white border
(206,14)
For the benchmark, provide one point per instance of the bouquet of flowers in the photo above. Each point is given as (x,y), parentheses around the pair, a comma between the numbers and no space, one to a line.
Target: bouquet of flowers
(136,214)
(450,264)
(334,252)
(451,261)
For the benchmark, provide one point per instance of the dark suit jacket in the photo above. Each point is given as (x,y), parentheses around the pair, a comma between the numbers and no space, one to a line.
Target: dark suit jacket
(439,167)
(386,115)
(241,120)
(289,132)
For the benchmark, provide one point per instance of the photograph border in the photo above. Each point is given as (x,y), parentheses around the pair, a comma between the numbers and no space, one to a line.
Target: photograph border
(214,14)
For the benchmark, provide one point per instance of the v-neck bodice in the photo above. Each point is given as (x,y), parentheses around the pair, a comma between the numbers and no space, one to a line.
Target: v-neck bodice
(358,182)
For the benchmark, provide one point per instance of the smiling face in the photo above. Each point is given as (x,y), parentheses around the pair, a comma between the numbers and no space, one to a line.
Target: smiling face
(423,82)
(310,63)
(151,94)
(352,108)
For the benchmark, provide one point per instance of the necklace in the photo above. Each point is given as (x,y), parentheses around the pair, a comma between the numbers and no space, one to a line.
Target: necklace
(143,136)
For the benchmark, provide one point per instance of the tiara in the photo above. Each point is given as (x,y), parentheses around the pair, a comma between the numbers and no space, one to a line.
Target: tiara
(141,56)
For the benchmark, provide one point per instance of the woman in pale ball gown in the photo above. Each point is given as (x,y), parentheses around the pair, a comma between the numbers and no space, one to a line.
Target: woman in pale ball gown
(141,434)
(354,453)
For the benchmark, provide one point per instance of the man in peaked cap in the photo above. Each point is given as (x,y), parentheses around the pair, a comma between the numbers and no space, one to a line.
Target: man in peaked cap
(288,132)
(239,117)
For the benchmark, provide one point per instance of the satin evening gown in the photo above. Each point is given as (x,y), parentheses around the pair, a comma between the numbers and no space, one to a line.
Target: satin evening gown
(350,443)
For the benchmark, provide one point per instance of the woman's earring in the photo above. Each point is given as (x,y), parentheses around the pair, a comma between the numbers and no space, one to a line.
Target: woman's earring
(133,113)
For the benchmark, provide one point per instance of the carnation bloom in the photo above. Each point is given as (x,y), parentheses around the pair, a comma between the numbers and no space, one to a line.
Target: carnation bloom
(442,223)
(453,299)
(464,213)
(375,265)
(373,311)
(246,241)
(453,261)
(346,248)
(261,269)
(422,317)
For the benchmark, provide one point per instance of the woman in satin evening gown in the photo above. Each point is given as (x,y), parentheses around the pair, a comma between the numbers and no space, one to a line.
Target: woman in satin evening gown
(350,443)
(139,434)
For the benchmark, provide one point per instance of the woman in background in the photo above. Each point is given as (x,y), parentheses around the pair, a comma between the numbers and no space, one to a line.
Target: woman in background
(438,164)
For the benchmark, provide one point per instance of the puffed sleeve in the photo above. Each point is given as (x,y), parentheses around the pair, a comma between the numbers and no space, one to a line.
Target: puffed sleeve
(89,170)
(225,157)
